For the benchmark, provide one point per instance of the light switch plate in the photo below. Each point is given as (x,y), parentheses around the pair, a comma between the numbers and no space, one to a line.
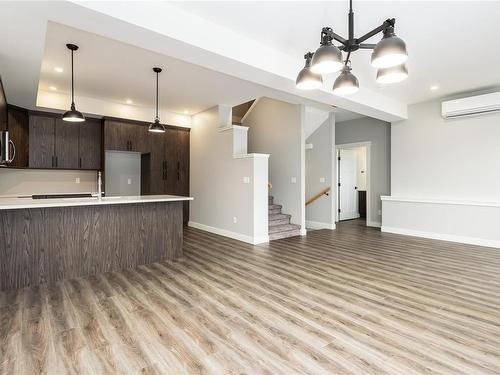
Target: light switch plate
(77,180)
(322,179)
(129,181)
(235,219)
(293,180)
(246,180)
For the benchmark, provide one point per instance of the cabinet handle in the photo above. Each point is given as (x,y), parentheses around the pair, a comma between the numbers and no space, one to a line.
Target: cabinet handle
(165,169)
(178,170)
(79,162)
(56,161)
(53,163)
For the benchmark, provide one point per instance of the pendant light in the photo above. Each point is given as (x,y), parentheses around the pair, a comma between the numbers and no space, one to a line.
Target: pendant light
(392,75)
(306,79)
(156,127)
(73,115)
(390,51)
(327,58)
(346,83)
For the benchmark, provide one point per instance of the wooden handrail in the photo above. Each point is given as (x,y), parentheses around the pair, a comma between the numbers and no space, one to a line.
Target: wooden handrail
(269,185)
(319,195)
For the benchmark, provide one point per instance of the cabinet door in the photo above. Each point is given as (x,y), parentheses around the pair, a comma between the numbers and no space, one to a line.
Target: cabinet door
(140,137)
(157,164)
(182,162)
(116,136)
(66,144)
(171,161)
(18,133)
(41,141)
(90,144)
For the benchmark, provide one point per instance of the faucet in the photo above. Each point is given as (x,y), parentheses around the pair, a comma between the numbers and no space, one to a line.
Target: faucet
(99,185)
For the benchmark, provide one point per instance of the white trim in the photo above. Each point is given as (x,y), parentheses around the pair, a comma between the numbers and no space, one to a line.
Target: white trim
(303,231)
(439,201)
(319,225)
(232,127)
(368,145)
(442,237)
(309,146)
(243,156)
(230,234)
(375,224)
(249,110)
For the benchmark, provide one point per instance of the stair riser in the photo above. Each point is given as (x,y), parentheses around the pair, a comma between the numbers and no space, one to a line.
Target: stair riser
(279,222)
(281,235)
(274,211)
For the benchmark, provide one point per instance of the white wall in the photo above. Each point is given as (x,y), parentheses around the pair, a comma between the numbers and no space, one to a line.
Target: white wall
(218,183)
(454,164)
(275,128)
(379,134)
(14,182)
(320,165)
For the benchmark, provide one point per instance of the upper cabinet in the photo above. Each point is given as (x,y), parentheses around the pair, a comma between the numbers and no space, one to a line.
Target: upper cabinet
(54,143)
(125,136)
(18,126)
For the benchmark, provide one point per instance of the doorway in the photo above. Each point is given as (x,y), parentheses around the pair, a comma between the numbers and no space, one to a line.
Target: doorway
(353,181)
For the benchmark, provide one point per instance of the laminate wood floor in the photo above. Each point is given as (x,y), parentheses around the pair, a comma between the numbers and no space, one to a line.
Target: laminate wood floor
(350,301)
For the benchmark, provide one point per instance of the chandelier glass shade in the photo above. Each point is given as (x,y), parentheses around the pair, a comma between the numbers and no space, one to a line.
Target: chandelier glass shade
(307,80)
(388,56)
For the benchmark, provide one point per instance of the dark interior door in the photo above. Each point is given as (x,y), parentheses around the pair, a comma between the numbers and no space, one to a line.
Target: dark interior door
(66,144)
(90,144)
(41,141)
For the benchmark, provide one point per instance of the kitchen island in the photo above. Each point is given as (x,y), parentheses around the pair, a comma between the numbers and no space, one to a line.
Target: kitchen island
(43,241)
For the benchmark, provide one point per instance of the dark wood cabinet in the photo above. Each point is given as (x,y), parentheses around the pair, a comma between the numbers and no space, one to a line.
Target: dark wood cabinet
(54,143)
(41,141)
(165,156)
(90,140)
(66,155)
(18,126)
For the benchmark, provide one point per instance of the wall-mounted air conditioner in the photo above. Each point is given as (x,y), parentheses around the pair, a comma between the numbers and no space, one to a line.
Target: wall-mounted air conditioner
(473,105)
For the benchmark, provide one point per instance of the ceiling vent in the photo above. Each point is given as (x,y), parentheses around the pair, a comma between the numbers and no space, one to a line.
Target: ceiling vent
(471,106)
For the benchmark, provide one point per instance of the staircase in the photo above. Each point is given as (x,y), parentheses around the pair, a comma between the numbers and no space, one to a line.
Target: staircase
(279,223)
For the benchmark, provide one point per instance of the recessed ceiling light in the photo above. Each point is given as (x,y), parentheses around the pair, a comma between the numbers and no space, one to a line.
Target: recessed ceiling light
(186,112)
(58,69)
(52,88)
(434,87)
(129,101)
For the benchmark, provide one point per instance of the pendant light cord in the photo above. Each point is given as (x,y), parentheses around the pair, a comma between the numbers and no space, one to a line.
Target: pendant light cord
(72,82)
(157,118)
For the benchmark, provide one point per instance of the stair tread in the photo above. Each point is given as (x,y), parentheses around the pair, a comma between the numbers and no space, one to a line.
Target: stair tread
(274,206)
(279,216)
(283,228)
(282,235)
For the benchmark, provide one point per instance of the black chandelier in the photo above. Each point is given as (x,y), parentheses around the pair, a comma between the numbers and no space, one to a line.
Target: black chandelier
(388,57)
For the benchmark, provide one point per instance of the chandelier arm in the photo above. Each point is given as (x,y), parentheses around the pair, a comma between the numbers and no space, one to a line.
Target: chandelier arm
(381,28)
(367,46)
(335,36)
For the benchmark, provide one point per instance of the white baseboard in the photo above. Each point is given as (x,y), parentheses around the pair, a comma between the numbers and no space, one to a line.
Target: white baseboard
(303,231)
(375,224)
(319,225)
(443,237)
(230,234)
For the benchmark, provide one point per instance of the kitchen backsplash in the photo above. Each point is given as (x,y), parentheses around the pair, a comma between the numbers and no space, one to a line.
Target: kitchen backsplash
(30,181)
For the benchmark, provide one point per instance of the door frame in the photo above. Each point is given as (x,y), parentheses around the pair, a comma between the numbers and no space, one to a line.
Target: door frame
(368,146)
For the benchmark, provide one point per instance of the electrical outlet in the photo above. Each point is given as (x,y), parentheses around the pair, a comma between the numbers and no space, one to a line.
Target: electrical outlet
(322,180)
(246,180)
(379,212)
(235,219)
(293,180)
(77,180)
(129,181)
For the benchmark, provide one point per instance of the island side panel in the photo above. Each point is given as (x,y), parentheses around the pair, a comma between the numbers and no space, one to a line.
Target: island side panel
(45,245)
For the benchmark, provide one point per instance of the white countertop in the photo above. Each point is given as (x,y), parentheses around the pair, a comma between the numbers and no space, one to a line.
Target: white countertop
(19,203)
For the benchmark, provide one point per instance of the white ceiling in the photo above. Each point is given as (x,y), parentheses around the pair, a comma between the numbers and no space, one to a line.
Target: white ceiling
(450,43)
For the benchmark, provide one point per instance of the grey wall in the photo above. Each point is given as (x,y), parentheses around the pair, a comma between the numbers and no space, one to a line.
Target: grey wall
(275,128)
(319,165)
(230,193)
(15,182)
(452,159)
(123,173)
(379,134)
